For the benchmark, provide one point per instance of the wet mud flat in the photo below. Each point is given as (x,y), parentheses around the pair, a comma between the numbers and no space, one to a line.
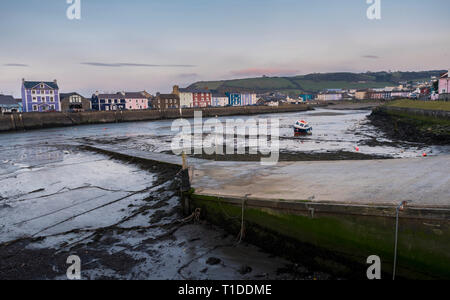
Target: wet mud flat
(286,156)
(135,234)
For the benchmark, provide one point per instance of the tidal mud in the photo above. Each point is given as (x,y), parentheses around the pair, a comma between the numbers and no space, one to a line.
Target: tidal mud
(132,228)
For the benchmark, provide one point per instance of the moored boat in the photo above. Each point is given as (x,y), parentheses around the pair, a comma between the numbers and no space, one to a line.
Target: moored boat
(302,127)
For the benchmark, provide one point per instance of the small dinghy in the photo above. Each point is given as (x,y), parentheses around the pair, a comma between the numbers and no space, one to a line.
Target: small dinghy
(302,128)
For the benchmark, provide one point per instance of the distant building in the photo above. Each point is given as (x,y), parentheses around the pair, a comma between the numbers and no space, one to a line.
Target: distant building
(273,103)
(149,98)
(379,95)
(74,102)
(248,99)
(40,96)
(19,102)
(219,100)
(234,99)
(444,87)
(186,96)
(8,104)
(329,96)
(298,100)
(201,98)
(361,95)
(403,94)
(166,101)
(307,97)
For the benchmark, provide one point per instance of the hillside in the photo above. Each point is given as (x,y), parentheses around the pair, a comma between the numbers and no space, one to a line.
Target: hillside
(317,82)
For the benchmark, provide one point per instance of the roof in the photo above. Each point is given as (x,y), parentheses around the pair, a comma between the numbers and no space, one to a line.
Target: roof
(445,75)
(122,95)
(7,100)
(188,90)
(109,96)
(32,84)
(65,95)
(135,95)
(167,96)
(219,95)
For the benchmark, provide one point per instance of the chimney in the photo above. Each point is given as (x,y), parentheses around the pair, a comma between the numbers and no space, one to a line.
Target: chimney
(176,90)
(23,80)
(55,81)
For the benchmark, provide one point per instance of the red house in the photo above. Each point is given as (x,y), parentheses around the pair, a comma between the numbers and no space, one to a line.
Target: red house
(202,98)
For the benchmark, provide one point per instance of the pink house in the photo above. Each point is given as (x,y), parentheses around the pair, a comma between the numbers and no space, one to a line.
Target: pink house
(135,101)
(444,84)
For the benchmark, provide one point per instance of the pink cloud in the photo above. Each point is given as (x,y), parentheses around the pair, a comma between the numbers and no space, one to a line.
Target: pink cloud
(264,71)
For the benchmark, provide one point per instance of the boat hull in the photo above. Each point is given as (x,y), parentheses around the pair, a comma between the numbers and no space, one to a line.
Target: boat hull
(299,131)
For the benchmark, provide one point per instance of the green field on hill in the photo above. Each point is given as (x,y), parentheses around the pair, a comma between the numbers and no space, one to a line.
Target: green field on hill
(428,105)
(316,82)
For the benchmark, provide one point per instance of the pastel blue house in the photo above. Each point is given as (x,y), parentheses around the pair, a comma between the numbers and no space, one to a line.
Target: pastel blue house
(307,97)
(108,102)
(9,105)
(40,96)
(234,99)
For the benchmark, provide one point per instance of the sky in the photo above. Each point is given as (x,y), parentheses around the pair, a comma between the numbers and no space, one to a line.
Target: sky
(151,45)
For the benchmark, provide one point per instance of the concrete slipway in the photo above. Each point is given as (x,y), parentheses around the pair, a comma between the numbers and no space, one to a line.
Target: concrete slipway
(332,214)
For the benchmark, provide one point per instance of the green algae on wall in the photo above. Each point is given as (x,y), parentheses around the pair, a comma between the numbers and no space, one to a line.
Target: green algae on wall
(339,243)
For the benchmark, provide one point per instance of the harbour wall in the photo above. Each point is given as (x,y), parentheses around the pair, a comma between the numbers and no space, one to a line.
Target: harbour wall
(338,238)
(27,121)
(438,114)
(430,127)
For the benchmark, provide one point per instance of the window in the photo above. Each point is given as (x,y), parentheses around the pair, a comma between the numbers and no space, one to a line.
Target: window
(33,92)
(34,99)
(35,108)
(51,99)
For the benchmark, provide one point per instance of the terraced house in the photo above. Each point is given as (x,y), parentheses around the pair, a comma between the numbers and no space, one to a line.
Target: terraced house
(119,101)
(234,99)
(186,96)
(166,101)
(444,87)
(74,102)
(8,104)
(248,99)
(219,100)
(40,96)
(201,98)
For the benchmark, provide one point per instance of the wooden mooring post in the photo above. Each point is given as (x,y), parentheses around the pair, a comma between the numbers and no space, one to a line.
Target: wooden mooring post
(185,185)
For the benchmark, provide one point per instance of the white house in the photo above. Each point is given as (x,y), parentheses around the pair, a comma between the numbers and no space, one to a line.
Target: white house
(219,100)
(444,85)
(186,97)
